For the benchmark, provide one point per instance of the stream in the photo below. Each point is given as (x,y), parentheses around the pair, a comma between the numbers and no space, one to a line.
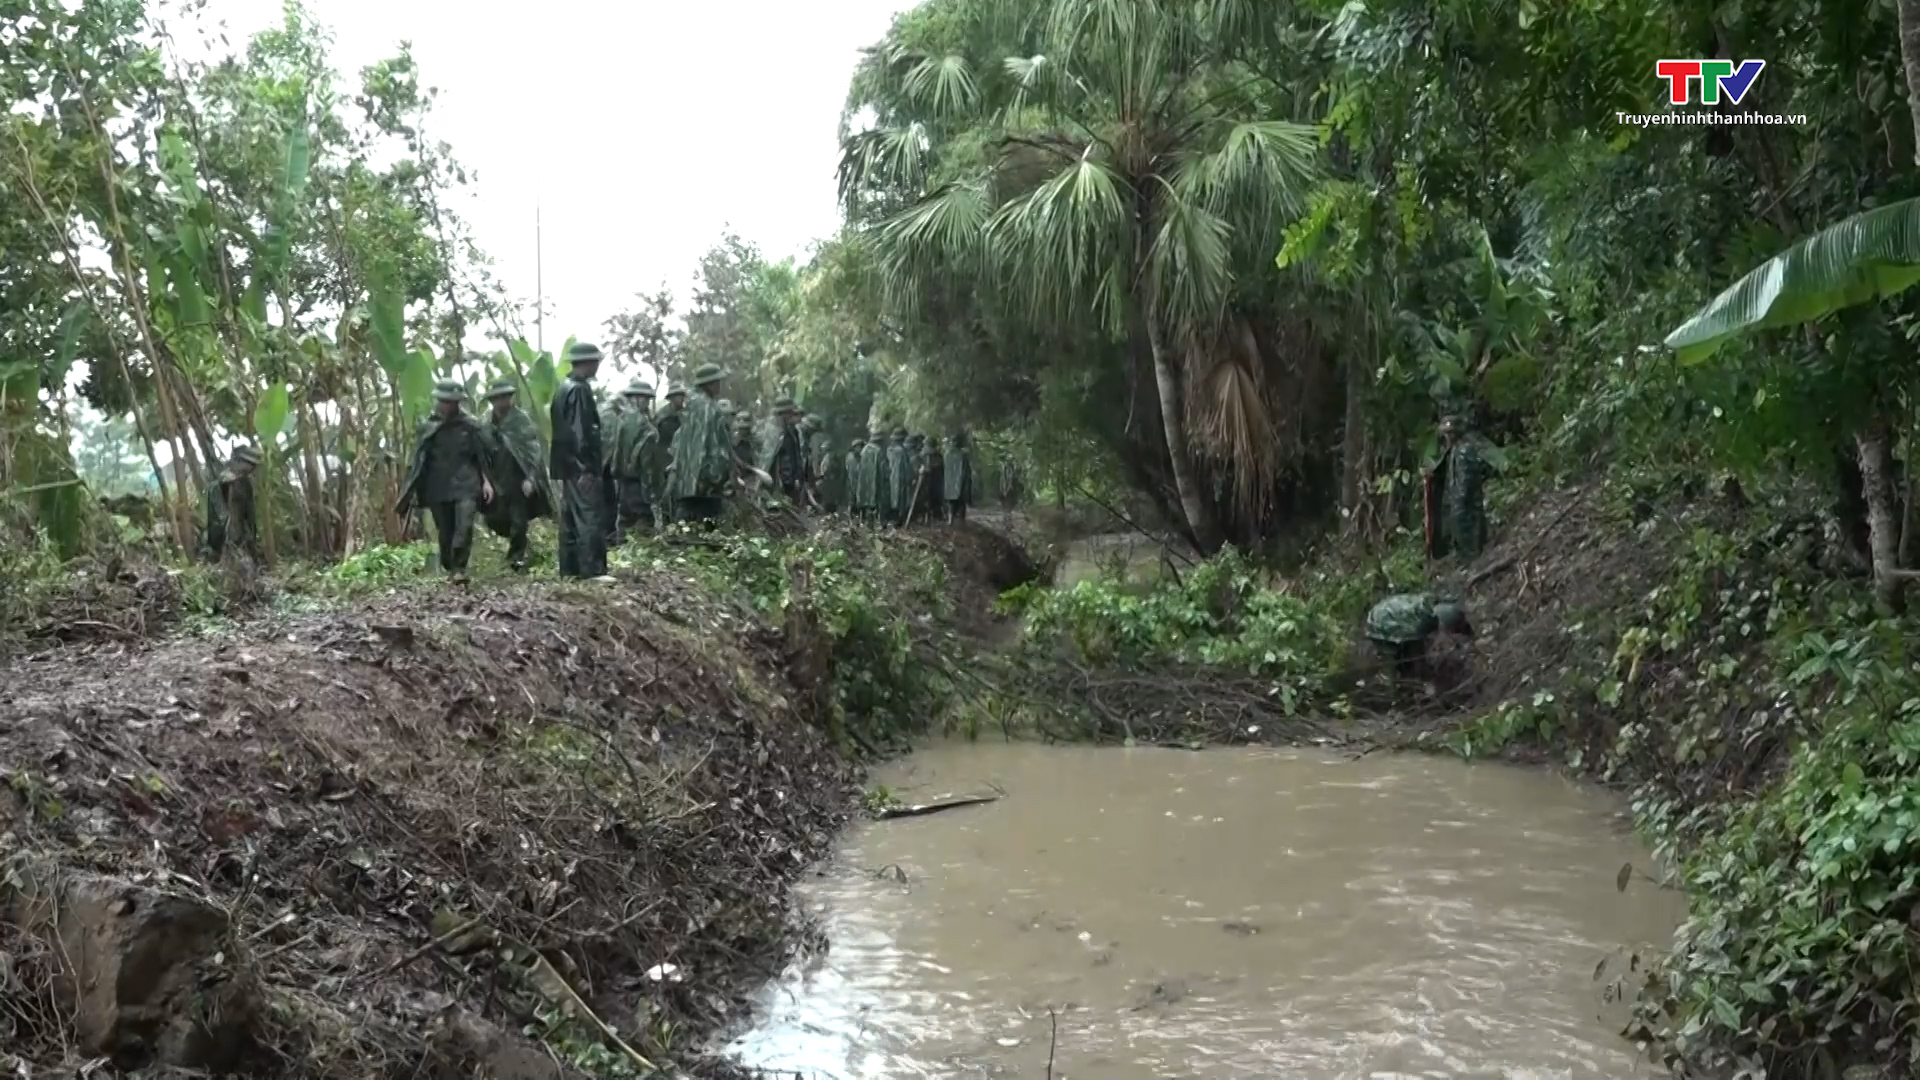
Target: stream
(1146,914)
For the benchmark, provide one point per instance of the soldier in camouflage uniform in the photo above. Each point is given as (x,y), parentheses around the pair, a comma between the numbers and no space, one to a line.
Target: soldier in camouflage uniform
(871,487)
(449,476)
(958,489)
(636,454)
(851,471)
(746,452)
(932,482)
(667,423)
(1402,626)
(898,500)
(783,451)
(521,489)
(703,464)
(578,461)
(812,437)
(1460,480)
(611,413)
(231,525)
(829,479)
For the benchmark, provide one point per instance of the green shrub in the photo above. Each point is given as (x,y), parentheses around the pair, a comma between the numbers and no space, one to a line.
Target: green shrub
(872,598)
(1221,613)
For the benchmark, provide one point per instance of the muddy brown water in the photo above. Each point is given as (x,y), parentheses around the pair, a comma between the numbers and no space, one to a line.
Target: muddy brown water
(1223,914)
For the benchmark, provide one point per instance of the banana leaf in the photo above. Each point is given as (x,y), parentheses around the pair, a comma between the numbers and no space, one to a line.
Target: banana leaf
(271,414)
(416,385)
(1861,259)
(387,315)
(293,183)
(74,324)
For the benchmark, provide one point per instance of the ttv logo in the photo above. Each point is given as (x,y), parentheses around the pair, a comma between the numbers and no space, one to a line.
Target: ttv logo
(1716,77)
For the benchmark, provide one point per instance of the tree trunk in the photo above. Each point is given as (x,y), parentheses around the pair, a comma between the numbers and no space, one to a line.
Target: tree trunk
(1173,417)
(1883,532)
(1910,60)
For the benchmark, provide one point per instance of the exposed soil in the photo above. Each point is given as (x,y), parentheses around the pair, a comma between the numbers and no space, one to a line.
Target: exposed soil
(379,842)
(1557,562)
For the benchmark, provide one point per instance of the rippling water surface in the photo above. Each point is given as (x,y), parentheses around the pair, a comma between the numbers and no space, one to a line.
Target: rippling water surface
(1227,914)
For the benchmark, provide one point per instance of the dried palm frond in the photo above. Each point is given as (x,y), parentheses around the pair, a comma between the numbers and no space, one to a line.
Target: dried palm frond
(1230,418)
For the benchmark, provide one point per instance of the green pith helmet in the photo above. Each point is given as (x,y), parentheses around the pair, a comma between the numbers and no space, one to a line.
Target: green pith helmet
(812,422)
(582,353)
(676,392)
(1452,615)
(783,405)
(639,388)
(899,434)
(708,374)
(503,388)
(246,455)
(448,390)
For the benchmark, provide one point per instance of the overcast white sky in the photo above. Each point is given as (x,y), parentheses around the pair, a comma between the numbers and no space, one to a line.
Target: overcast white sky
(641,128)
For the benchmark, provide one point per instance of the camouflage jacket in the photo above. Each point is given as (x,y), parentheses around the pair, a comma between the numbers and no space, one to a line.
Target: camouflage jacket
(636,443)
(1402,619)
(518,449)
(782,454)
(702,462)
(1463,471)
(959,475)
(899,479)
(869,488)
(611,416)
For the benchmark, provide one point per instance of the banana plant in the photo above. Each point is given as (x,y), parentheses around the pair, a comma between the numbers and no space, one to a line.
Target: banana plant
(1871,255)
(1868,256)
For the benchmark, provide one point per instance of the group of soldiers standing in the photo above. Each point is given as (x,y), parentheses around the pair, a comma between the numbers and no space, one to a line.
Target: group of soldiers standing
(624,468)
(905,478)
(628,468)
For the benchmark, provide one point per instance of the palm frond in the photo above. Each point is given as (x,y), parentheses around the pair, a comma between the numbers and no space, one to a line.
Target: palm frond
(1270,163)
(882,157)
(1191,258)
(1078,25)
(1861,259)
(943,85)
(1033,81)
(1229,417)
(944,229)
(1059,241)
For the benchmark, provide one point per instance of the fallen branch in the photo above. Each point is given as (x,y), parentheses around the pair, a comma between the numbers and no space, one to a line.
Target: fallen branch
(888,813)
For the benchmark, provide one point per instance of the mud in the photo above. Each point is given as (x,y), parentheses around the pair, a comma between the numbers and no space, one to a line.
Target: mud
(381,842)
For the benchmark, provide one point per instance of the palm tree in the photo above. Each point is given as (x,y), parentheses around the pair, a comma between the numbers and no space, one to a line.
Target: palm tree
(1103,158)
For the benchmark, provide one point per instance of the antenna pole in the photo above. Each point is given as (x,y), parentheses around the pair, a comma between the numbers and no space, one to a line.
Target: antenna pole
(539,288)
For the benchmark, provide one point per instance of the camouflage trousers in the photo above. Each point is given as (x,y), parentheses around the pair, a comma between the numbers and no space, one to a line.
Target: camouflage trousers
(1406,658)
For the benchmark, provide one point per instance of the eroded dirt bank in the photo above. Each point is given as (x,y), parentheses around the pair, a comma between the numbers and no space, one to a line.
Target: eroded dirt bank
(384,841)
